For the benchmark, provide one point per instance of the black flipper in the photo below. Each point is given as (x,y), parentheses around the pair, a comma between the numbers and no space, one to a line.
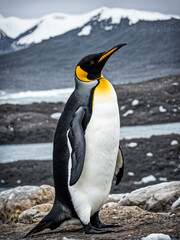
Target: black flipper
(53,219)
(119,170)
(78,144)
(96,222)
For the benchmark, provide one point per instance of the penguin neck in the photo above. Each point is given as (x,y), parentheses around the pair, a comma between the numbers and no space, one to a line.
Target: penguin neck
(104,92)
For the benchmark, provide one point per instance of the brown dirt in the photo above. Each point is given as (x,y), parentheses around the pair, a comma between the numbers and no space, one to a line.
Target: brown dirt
(134,224)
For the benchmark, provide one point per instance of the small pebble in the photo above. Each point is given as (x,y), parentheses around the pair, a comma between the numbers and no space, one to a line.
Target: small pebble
(18,181)
(149,154)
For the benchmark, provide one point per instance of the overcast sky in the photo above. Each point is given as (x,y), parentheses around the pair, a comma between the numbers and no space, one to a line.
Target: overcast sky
(38,8)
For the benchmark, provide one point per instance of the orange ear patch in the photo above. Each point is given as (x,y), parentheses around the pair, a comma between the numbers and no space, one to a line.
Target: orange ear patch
(81,74)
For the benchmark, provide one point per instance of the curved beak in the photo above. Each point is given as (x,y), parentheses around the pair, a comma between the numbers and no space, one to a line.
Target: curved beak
(107,54)
(103,57)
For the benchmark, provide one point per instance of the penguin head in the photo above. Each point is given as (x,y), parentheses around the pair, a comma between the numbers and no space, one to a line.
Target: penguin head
(90,67)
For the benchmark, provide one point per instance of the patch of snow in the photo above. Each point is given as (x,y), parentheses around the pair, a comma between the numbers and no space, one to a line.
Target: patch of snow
(157,236)
(176,204)
(18,181)
(122,108)
(135,102)
(132,144)
(128,113)
(149,154)
(56,115)
(147,179)
(130,174)
(174,110)
(2,181)
(174,142)
(175,84)
(11,128)
(163,179)
(14,26)
(85,31)
(108,28)
(162,109)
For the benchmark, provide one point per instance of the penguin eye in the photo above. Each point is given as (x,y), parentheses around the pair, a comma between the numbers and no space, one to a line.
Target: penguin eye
(92,62)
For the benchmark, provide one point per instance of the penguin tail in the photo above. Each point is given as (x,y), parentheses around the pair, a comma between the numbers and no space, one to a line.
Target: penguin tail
(58,214)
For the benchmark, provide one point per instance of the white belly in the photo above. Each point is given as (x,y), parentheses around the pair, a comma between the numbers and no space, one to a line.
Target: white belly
(102,143)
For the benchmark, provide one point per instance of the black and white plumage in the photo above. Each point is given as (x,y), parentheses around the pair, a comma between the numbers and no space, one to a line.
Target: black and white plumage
(86,150)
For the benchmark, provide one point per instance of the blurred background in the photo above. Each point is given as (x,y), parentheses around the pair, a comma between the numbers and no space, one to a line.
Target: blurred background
(40,44)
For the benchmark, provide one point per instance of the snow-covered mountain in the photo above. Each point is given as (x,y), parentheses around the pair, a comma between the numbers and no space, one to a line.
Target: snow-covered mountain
(41,54)
(29,31)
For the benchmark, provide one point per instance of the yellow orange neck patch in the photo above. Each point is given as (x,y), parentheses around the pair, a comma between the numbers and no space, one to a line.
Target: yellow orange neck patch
(104,90)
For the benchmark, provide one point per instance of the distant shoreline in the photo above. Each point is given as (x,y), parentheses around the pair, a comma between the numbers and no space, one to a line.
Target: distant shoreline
(145,103)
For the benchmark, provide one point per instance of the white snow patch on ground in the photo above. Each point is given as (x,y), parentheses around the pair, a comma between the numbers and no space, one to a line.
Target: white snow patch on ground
(149,154)
(85,31)
(163,179)
(132,144)
(128,113)
(122,108)
(147,179)
(162,109)
(108,28)
(135,102)
(174,142)
(157,236)
(56,115)
(176,204)
(130,174)
(175,84)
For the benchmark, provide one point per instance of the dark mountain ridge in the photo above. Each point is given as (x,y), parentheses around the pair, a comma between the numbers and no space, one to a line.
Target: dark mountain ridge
(152,51)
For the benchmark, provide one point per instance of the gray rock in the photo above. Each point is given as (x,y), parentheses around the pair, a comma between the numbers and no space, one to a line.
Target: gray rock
(159,197)
(35,213)
(14,201)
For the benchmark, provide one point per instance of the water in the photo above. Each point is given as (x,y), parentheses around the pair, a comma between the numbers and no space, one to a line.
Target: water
(43,151)
(28,97)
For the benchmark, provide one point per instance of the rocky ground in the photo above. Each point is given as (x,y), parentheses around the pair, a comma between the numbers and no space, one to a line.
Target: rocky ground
(149,102)
(135,223)
(154,209)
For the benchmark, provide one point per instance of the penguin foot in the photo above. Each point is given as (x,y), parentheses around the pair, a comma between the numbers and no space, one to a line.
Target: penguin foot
(89,229)
(96,222)
(103,225)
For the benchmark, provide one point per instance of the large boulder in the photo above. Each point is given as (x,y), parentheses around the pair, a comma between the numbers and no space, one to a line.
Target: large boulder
(35,214)
(157,198)
(14,201)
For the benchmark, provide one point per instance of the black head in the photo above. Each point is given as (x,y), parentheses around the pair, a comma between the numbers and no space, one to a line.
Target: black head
(90,67)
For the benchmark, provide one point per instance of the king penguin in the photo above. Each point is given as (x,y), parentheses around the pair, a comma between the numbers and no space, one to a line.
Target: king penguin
(86,152)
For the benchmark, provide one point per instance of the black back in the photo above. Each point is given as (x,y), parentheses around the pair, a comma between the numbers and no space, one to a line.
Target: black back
(82,96)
